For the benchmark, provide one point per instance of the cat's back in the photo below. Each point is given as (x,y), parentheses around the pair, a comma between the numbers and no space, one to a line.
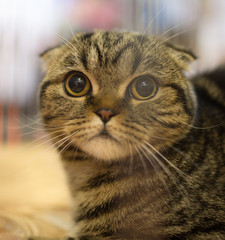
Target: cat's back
(210,91)
(209,127)
(207,136)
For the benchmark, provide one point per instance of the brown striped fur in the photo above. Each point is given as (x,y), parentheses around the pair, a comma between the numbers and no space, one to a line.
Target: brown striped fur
(158,173)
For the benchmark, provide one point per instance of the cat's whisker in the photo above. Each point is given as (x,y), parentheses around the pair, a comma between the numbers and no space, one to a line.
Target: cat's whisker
(32,132)
(142,159)
(43,132)
(44,142)
(22,125)
(186,156)
(41,153)
(204,128)
(67,145)
(46,127)
(131,158)
(149,158)
(34,118)
(161,164)
(168,172)
(43,126)
(75,152)
(43,137)
(58,143)
(144,129)
(36,130)
(42,129)
(181,173)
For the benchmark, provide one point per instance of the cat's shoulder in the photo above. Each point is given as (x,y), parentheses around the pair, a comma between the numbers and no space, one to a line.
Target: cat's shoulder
(210,93)
(211,84)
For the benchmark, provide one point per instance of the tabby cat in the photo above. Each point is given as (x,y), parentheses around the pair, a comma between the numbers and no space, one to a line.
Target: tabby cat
(143,146)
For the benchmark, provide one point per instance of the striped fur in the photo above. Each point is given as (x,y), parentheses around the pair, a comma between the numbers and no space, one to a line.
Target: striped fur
(158,173)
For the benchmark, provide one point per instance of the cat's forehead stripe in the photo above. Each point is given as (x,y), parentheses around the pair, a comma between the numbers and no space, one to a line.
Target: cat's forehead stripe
(128,46)
(109,47)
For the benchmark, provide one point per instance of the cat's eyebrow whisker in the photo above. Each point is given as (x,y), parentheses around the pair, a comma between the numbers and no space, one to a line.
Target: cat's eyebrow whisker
(69,26)
(175,35)
(67,43)
(72,32)
(151,22)
(174,27)
(169,30)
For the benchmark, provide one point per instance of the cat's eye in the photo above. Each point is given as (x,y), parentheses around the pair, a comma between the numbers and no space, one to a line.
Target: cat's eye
(143,87)
(77,84)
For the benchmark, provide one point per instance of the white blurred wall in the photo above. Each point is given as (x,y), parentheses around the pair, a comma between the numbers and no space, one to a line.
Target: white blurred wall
(25,25)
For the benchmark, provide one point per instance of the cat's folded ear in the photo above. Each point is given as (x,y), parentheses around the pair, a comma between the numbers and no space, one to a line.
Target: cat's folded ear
(48,55)
(181,56)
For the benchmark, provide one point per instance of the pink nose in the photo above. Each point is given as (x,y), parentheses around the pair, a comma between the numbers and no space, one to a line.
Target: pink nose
(105,114)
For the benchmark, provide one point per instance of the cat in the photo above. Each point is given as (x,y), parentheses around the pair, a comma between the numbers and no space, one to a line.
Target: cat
(143,146)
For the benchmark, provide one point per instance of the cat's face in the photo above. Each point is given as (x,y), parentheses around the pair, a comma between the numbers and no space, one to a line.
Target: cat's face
(115,94)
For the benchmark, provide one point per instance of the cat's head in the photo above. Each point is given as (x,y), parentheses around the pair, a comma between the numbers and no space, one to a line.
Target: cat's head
(114,94)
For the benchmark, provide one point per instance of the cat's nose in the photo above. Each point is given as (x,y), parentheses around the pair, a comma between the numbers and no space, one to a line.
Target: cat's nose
(105,114)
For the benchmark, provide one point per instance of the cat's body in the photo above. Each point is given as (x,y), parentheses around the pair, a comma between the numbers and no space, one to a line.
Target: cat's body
(143,147)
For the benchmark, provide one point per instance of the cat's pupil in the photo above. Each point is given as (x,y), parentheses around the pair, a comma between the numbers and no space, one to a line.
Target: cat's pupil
(77,83)
(144,87)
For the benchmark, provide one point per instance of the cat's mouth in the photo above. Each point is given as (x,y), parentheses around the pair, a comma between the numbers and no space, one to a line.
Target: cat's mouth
(105,135)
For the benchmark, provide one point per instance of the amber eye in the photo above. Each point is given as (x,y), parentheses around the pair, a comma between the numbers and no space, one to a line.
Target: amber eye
(143,87)
(77,84)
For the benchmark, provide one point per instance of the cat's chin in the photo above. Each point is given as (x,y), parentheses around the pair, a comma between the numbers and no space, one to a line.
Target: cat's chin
(105,148)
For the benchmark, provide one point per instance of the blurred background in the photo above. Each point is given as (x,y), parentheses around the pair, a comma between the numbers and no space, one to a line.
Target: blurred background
(28,27)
